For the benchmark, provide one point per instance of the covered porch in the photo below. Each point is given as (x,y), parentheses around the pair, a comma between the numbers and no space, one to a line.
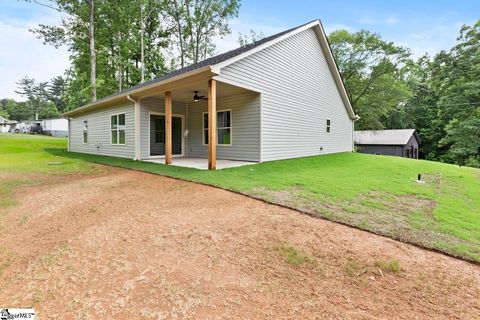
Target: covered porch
(199,123)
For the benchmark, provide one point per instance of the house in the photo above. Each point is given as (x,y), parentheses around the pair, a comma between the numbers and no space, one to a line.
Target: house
(278,98)
(55,127)
(399,142)
(6,125)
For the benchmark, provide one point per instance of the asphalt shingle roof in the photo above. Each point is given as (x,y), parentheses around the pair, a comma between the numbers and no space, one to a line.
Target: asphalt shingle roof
(384,137)
(207,62)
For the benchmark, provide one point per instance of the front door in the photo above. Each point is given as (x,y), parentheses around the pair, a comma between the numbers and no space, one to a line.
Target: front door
(157,135)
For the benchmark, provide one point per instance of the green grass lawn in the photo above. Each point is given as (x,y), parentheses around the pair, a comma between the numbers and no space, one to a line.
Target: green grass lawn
(374,193)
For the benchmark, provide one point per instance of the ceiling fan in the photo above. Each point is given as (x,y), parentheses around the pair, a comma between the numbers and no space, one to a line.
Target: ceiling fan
(197,98)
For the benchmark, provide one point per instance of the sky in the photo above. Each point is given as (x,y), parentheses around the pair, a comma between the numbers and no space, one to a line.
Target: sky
(424,26)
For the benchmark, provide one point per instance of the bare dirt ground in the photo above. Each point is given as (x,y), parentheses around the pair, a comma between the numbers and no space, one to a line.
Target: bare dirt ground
(129,245)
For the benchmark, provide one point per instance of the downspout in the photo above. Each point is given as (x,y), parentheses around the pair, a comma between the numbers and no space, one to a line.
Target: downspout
(137,127)
(353,131)
(68,141)
(185,134)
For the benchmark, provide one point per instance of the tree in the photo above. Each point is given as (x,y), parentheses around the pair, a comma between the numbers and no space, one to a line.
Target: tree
(56,92)
(253,36)
(18,111)
(196,23)
(48,111)
(372,71)
(463,138)
(123,57)
(93,55)
(3,108)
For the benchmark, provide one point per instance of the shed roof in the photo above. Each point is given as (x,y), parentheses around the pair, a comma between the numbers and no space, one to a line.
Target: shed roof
(385,137)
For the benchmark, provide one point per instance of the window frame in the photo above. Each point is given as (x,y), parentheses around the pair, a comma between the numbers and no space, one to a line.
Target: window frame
(85,131)
(118,130)
(204,130)
(328,126)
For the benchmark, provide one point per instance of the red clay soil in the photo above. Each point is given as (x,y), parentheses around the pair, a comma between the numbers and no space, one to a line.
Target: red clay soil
(129,245)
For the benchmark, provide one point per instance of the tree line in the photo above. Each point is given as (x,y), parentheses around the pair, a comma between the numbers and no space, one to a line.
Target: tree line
(438,96)
(116,44)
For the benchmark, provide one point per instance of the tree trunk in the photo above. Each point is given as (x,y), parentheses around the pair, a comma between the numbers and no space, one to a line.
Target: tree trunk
(142,44)
(93,57)
(180,32)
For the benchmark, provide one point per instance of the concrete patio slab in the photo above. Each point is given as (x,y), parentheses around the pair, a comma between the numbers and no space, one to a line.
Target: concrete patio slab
(202,163)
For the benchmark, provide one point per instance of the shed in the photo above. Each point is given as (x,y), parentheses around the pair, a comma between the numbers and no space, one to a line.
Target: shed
(397,142)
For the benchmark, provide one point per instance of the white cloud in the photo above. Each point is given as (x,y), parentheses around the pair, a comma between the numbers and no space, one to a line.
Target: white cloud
(22,54)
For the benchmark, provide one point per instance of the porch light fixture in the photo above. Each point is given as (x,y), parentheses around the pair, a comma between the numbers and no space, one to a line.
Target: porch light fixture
(197,98)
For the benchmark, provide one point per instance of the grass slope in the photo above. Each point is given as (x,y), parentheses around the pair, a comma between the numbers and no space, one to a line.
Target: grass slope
(375,193)
(24,161)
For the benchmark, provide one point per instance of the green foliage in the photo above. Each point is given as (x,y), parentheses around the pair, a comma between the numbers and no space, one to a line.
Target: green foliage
(293,256)
(251,37)
(445,105)
(19,111)
(391,266)
(463,137)
(179,31)
(48,111)
(3,108)
(44,98)
(372,70)
(194,25)
(439,96)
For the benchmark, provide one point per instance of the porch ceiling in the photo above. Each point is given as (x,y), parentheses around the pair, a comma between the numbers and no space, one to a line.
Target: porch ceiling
(186,94)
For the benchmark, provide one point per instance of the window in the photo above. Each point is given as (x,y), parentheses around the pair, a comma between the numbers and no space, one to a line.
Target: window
(224,129)
(117,127)
(328,125)
(160,130)
(85,131)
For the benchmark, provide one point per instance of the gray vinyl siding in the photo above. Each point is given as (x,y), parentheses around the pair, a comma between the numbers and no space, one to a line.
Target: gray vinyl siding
(153,105)
(99,133)
(245,124)
(298,96)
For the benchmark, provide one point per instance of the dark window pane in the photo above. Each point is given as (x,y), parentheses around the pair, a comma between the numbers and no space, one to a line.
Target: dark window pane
(223,119)
(114,122)
(205,136)
(85,137)
(121,119)
(114,137)
(160,130)
(224,136)
(205,120)
(121,134)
